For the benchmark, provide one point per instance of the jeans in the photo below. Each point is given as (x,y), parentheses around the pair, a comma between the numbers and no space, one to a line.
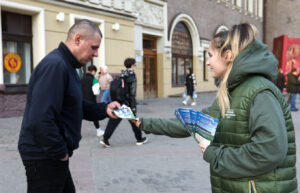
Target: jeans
(105,96)
(48,176)
(112,125)
(293,101)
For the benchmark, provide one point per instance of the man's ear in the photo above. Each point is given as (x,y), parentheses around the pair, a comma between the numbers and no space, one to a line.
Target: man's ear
(228,55)
(77,38)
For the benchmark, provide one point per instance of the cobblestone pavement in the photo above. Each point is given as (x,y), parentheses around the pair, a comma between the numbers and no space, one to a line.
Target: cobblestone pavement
(164,165)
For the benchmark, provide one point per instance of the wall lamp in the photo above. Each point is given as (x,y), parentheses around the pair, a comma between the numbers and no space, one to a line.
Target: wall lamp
(116,26)
(60,16)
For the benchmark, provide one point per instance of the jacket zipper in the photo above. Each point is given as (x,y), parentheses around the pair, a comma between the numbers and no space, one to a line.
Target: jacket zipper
(252,188)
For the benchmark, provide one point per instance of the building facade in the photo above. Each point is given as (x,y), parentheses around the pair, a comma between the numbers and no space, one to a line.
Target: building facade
(30,29)
(201,19)
(165,37)
(281,17)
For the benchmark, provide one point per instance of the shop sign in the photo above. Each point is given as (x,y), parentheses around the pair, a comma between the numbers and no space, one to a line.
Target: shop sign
(12,62)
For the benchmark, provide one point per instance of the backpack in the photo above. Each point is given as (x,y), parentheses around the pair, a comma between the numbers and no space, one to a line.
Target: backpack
(117,90)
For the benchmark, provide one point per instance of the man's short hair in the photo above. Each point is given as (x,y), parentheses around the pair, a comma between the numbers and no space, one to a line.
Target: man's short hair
(129,62)
(92,68)
(294,69)
(85,27)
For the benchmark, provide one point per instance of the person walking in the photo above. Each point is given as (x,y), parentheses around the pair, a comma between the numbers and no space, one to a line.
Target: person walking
(293,87)
(104,80)
(51,126)
(280,81)
(254,147)
(90,89)
(190,83)
(130,84)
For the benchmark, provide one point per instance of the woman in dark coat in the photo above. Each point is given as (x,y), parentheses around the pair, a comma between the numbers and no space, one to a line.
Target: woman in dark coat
(190,83)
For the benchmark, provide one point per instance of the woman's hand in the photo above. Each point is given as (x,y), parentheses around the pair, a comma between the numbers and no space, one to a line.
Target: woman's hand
(137,122)
(203,145)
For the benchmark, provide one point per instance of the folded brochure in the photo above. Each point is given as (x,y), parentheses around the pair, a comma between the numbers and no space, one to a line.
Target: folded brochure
(201,126)
(124,113)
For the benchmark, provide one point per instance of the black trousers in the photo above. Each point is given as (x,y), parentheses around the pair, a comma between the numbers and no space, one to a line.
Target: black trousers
(112,125)
(96,123)
(48,176)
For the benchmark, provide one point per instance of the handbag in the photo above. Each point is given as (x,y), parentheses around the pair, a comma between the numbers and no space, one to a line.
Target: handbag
(195,94)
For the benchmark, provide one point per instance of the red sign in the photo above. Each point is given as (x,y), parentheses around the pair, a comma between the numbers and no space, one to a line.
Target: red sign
(287,51)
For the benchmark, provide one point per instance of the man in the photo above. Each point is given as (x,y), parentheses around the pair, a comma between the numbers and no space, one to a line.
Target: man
(90,88)
(54,111)
(280,81)
(293,87)
(129,79)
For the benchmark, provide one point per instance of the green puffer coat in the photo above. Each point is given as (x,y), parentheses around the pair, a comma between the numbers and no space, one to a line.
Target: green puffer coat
(233,132)
(253,70)
(254,147)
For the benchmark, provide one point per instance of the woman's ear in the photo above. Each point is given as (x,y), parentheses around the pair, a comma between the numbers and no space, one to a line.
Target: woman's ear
(228,55)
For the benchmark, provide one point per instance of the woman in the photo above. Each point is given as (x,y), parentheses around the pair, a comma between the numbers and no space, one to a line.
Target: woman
(190,83)
(254,146)
(104,80)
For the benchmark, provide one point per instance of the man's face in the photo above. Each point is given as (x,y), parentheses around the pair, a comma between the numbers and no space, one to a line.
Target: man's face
(88,48)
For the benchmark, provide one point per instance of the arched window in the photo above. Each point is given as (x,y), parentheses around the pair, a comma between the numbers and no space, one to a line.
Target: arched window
(182,53)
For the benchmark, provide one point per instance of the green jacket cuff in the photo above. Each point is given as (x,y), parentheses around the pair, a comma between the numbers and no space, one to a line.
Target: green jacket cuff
(210,154)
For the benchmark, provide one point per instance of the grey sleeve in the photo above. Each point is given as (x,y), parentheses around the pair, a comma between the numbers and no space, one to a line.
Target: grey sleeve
(268,146)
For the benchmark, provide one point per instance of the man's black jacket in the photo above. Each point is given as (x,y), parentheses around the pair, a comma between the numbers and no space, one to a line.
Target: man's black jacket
(51,125)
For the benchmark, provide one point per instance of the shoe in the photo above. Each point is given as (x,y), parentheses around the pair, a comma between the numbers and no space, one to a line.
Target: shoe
(294,109)
(104,143)
(142,141)
(184,103)
(100,132)
(193,104)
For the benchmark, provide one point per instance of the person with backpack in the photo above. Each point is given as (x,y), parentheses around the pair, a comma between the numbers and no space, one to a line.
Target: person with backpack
(90,89)
(123,90)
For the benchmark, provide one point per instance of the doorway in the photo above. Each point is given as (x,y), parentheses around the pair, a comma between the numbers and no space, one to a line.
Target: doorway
(150,67)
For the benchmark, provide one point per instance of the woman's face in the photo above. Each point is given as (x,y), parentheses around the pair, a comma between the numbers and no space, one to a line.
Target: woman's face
(217,64)
(187,71)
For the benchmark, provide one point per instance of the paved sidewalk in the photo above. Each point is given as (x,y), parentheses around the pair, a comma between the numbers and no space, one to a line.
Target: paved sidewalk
(164,165)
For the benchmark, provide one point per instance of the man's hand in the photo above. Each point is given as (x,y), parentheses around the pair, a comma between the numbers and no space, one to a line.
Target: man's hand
(65,158)
(110,107)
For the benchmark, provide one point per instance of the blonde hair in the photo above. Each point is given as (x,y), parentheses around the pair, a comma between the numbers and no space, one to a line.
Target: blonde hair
(236,39)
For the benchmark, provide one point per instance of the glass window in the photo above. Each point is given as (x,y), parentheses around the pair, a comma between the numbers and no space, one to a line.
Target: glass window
(17,48)
(182,53)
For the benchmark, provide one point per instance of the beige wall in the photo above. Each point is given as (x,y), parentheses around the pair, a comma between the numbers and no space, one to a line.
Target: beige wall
(118,44)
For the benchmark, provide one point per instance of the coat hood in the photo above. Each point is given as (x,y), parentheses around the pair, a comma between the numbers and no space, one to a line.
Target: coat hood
(254,60)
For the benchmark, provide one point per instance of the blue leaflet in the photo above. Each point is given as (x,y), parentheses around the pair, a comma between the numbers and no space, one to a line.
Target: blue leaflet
(207,122)
(201,126)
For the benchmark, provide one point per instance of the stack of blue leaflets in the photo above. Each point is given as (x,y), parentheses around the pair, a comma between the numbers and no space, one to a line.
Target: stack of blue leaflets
(201,126)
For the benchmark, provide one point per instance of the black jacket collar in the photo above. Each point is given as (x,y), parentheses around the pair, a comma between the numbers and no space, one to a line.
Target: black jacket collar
(73,61)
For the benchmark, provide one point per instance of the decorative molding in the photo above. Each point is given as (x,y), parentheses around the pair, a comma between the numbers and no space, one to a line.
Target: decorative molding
(148,12)
(191,25)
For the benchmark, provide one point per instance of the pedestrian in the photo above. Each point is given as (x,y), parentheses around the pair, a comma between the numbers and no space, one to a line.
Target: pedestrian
(280,81)
(104,80)
(90,89)
(190,83)
(254,146)
(293,87)
(130,84)
(51,125)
